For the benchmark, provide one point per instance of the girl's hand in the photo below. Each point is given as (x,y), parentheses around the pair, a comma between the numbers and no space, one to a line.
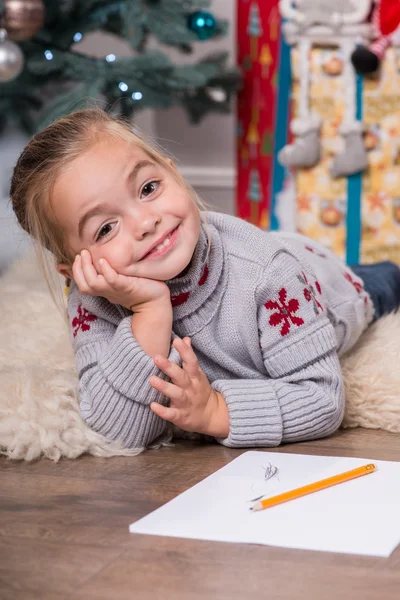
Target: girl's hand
(131,292)
(194,405)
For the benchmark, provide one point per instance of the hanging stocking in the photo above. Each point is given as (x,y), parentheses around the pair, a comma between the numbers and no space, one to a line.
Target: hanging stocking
(306,150)
(354,158)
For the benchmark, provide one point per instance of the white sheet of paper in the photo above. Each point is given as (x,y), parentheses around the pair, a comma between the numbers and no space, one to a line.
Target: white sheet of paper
(361,516)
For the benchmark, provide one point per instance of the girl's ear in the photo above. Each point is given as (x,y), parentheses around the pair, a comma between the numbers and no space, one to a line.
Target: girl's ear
(65,270)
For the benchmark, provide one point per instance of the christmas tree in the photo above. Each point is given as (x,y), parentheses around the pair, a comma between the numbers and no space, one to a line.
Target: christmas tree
(44,76)
(254,191)
(254,28)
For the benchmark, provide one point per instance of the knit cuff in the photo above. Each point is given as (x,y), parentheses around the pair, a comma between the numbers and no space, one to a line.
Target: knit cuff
(254,413)
(305,347)
(128,368)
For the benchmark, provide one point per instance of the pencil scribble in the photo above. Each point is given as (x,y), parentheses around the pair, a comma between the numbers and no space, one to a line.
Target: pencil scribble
(269,472)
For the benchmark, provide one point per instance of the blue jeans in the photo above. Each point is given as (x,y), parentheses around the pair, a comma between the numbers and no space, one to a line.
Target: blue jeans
(382,282)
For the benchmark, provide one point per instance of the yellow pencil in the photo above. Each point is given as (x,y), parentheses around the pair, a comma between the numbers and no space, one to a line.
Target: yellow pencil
(313,487)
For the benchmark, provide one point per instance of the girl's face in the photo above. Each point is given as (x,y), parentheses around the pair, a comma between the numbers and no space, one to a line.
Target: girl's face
(116,202)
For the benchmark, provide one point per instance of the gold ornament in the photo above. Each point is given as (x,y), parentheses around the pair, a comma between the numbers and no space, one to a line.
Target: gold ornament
(333,66)
(331,216)
(22,18)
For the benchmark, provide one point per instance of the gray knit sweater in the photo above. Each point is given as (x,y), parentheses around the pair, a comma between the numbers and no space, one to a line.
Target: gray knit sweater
(267,313)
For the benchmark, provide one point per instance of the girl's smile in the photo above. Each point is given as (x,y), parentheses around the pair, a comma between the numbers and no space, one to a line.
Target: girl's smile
(163,246)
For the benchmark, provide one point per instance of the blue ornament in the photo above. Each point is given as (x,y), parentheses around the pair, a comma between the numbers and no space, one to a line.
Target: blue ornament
(203,23)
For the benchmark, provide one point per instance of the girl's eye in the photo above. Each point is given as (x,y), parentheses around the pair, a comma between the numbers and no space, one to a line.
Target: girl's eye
(149,188)
(104,231)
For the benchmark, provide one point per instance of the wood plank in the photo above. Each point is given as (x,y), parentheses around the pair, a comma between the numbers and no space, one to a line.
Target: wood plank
(64,532)
(159,568)
(76,510)
(31,568)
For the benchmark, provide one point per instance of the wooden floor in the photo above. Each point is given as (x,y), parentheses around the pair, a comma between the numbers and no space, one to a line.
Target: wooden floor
(64,533)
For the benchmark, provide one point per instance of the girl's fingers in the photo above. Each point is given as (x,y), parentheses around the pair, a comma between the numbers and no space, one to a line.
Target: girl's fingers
(90,273)
(165,412)
(108,272)
(190,362)
(89,280)
(79,276)
(115,280)
(175,393)
(173,371)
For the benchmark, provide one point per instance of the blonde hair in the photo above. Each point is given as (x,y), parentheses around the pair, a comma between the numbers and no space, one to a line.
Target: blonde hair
(42,161)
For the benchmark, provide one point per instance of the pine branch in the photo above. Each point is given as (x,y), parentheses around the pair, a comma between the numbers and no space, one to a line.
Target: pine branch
(57,79)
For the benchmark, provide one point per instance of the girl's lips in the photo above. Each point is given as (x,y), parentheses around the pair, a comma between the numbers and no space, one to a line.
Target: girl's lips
(154,254)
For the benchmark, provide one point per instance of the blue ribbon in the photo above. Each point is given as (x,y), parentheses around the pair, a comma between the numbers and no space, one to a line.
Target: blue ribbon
(354,192)
(281,124)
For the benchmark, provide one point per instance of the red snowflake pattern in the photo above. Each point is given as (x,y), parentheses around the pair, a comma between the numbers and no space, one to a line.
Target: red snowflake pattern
(204,277)
(284,314)
(359,287)
(180,298)
(309,292)
(81,321)
(184,296)
(310,249)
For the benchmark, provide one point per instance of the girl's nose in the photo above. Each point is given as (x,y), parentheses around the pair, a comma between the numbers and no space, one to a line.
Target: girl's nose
(145,222)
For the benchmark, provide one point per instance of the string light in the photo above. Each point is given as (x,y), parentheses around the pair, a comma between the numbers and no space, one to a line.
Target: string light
(137,96)
(48,54)
(110,57)
(122,86)
(77,37)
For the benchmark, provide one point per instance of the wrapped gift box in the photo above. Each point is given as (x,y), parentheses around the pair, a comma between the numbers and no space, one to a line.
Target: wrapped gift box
(261,51)
(357,217)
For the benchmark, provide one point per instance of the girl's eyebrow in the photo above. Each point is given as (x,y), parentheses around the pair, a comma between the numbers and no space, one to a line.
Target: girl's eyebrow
(140,165)
(100,208)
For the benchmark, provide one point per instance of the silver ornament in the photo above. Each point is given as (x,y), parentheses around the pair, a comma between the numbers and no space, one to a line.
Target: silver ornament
(11,58)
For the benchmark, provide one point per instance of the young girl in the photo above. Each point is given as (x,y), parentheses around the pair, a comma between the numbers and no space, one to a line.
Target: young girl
(183,316)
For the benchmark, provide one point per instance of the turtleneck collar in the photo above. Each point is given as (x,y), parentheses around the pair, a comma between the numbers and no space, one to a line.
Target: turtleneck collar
(196,294)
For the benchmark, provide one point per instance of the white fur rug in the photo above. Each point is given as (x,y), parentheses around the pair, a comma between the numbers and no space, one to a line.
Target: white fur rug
(39,414)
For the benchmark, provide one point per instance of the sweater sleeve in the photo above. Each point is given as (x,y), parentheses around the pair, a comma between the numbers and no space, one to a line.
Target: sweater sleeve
(114,372)
(301,395)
